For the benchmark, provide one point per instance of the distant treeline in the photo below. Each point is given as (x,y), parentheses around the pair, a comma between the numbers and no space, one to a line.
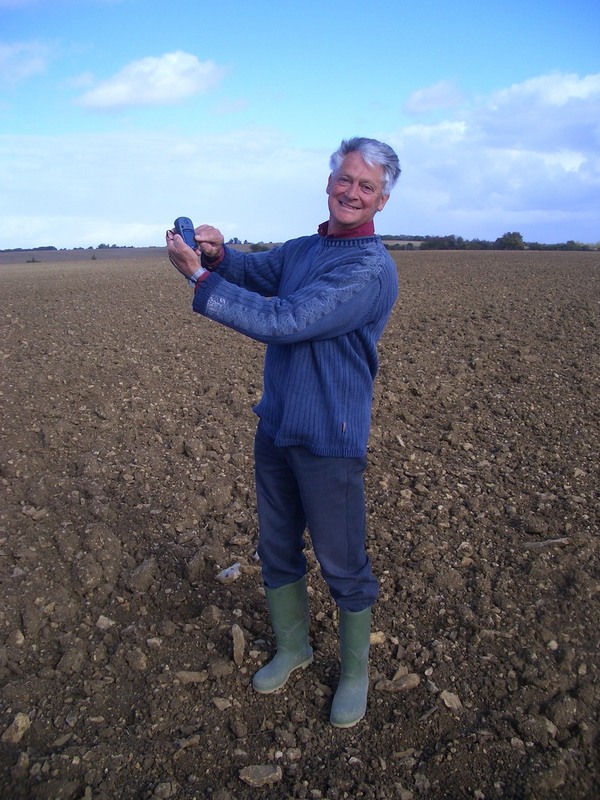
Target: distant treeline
(51,247)
(26,249)
(509,241)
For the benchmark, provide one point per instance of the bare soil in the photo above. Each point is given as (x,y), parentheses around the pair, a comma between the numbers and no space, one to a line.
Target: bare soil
(127,488)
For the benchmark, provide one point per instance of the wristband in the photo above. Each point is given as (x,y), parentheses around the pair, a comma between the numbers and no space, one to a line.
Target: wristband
(193,279)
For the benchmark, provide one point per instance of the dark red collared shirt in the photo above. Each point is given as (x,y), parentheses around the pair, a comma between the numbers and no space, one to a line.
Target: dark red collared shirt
(368,229)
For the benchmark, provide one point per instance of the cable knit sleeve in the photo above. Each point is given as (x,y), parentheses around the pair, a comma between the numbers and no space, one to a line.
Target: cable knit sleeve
(256,272)
(325,294)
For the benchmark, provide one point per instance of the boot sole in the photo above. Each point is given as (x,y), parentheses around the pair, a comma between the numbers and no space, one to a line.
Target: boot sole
(304,665)
(346,724)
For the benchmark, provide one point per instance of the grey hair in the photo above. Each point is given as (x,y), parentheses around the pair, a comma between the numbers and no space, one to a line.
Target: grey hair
(374,153)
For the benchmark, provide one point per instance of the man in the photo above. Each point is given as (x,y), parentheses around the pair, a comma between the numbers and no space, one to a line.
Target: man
(320,304)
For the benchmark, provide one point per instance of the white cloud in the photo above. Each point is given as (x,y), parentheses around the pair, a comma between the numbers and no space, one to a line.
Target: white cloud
(155,81)
(525,158)
(503,164)
(22,60)
(555,89)
(442,95)
(85,189)
(440,134)
(549,113)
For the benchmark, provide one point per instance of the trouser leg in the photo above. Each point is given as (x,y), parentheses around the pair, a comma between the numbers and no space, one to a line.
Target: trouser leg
(281,517)
(295,488)
(332,493)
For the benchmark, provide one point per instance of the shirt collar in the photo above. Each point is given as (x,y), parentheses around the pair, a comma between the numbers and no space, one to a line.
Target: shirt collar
(367,229)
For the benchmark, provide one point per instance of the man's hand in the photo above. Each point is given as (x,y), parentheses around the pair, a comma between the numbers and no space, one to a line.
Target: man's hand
(183,258)
(210,241)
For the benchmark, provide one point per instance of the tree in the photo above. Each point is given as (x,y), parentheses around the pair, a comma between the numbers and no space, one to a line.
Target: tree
(510,241)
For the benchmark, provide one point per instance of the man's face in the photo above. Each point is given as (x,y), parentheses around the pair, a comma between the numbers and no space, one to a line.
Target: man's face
(355,193)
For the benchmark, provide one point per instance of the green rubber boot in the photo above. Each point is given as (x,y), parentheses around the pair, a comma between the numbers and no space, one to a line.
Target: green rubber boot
(288,608)
(350,700)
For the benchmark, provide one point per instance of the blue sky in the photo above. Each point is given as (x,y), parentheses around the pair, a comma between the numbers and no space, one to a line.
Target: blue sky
(116,116)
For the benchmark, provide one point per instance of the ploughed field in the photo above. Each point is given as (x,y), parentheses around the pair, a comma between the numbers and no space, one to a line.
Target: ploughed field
(127,644)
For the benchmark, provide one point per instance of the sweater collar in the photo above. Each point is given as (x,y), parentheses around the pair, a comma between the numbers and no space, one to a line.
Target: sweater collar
(368,229)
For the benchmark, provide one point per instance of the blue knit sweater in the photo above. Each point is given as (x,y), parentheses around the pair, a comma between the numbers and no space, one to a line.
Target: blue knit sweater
(320,305)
